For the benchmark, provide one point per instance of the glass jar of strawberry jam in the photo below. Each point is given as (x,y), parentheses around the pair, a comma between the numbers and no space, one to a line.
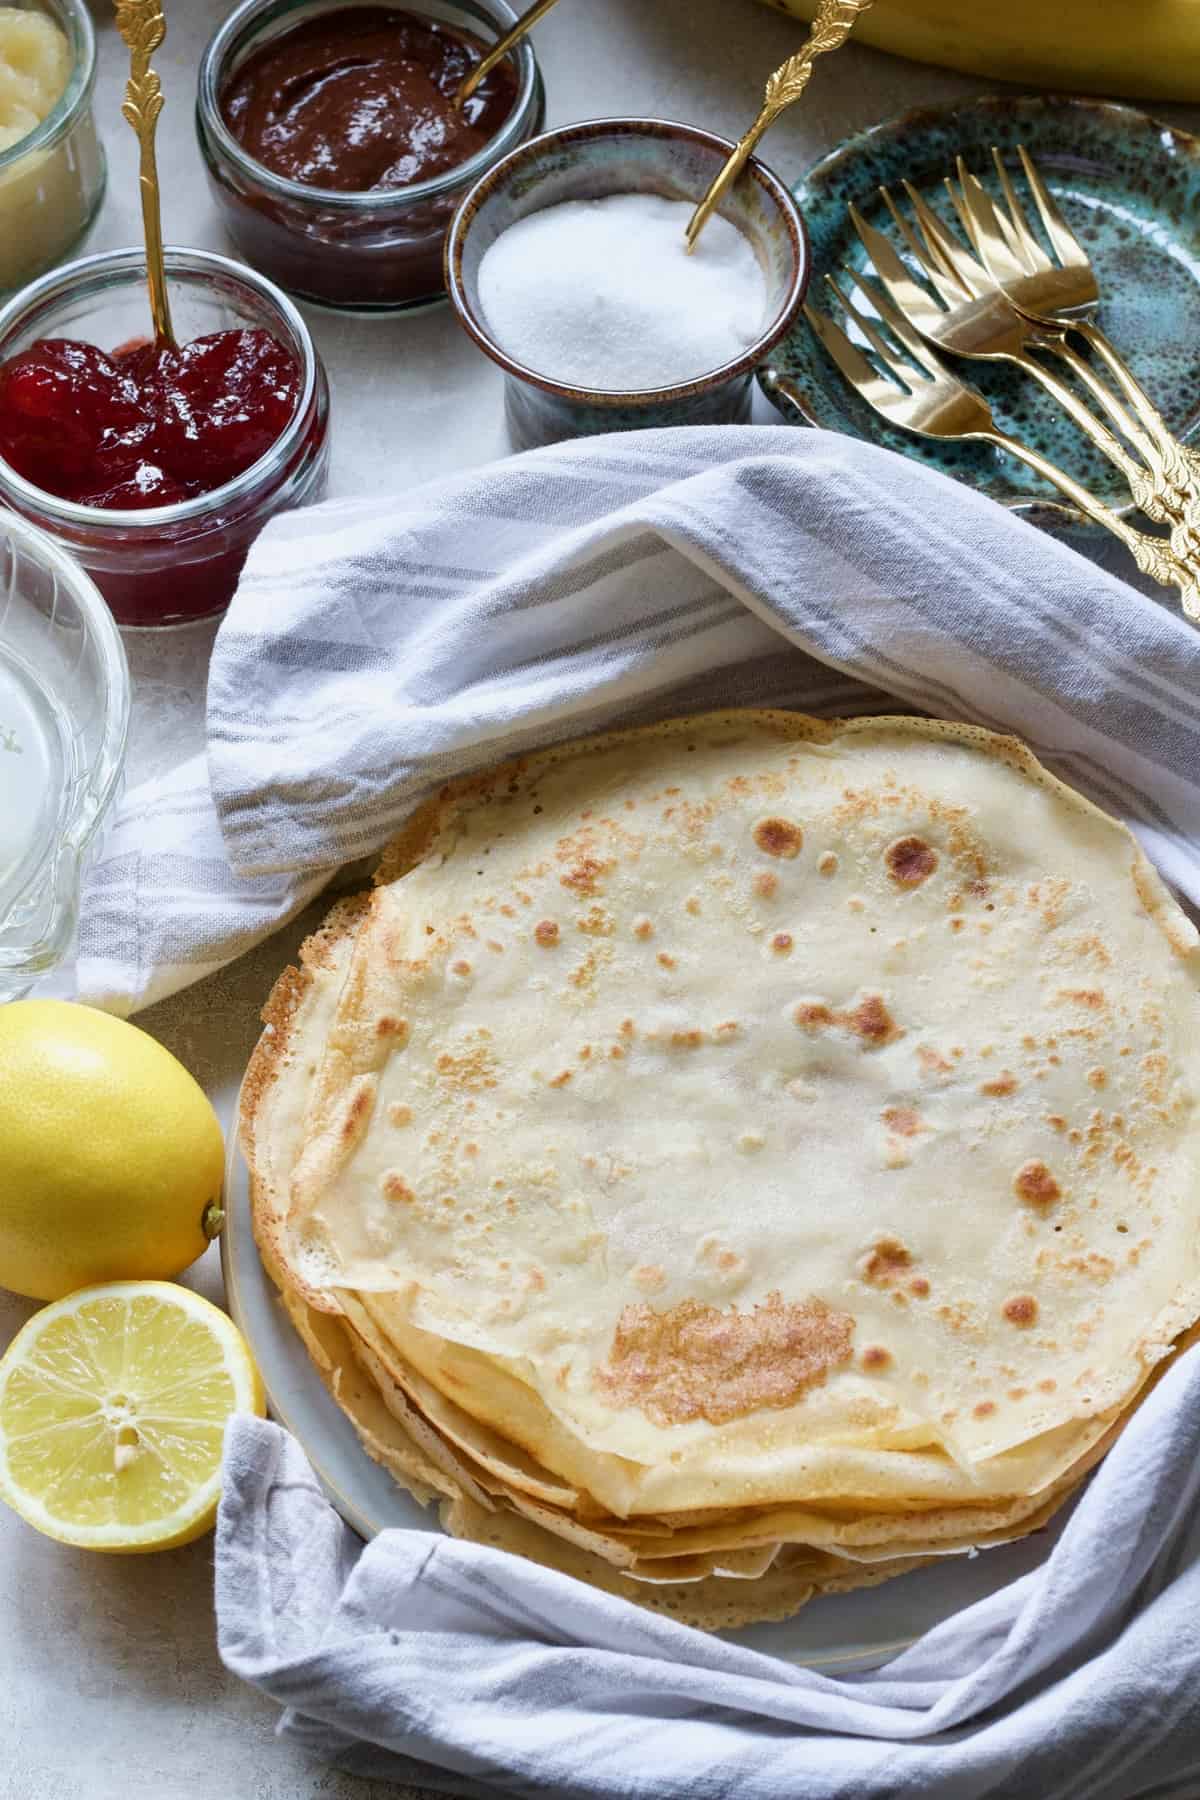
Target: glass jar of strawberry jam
(178,559)
(334,150)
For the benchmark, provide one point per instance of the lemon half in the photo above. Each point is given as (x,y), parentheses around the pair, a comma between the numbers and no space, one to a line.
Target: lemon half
(113,1405)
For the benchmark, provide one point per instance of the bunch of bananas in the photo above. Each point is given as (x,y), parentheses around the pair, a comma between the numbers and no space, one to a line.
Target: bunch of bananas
(1147,48)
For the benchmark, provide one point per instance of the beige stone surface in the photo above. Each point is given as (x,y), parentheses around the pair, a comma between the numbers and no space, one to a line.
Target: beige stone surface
(110,1684)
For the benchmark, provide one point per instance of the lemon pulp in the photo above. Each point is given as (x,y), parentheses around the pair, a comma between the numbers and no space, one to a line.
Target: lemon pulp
(113,1403)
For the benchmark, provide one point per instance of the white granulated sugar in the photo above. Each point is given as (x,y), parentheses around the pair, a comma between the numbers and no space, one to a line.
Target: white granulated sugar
(602,294)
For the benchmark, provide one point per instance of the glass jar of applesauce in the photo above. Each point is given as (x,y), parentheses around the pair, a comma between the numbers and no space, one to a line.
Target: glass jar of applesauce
(52,177)
(377,250)
(169,564)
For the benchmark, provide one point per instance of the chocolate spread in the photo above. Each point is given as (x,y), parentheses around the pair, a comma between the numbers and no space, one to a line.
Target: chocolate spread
(361,100)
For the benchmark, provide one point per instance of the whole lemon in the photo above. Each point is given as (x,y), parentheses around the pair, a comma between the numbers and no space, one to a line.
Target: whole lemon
(110,1154)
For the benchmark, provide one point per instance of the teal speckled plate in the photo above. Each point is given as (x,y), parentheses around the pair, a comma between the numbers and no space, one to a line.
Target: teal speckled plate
(1129,188)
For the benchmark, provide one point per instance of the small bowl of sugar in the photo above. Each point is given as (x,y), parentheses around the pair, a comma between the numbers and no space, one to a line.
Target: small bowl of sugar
(568,266)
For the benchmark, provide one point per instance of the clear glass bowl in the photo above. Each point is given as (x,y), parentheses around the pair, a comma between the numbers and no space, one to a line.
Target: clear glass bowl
(168,565)
(378,252)
(52,182)
(64,718)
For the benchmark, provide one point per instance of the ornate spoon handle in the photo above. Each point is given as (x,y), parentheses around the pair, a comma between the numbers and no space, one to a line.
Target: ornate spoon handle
(143,27)
(831,26)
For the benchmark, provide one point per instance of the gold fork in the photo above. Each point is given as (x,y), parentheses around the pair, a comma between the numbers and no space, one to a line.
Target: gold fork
(1061,291)
(963,311)
(921,394)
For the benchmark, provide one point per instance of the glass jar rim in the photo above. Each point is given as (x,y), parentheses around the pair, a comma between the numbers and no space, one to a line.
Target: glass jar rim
(120,265)
(74,97)
(93,796)
(210,121)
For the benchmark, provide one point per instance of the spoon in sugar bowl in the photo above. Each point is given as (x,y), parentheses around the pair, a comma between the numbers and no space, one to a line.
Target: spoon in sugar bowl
(832,24)
(143,27)
(499,51)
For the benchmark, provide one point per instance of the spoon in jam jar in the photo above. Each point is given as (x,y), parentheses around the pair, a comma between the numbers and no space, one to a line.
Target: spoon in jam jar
(143,28)
(499,51)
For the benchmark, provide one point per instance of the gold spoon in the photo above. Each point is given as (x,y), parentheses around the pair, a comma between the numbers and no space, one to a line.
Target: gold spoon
(831,26)
(143,28)
(499,51)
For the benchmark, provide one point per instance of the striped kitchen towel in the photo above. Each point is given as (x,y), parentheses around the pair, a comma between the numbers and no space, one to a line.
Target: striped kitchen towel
(376,647)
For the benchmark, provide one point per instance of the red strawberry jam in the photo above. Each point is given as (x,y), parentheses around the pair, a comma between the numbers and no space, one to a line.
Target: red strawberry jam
(144,425)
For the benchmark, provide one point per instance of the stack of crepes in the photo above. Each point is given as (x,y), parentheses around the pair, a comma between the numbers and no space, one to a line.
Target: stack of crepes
(741,1158)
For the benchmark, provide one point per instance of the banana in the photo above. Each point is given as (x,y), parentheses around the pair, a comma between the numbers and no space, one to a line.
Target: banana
(1147,48)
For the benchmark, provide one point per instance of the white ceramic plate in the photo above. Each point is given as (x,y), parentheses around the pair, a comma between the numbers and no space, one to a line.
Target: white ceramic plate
(836,1634)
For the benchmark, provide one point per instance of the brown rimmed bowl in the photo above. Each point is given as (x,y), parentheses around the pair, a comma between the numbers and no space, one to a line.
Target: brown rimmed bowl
(612,156)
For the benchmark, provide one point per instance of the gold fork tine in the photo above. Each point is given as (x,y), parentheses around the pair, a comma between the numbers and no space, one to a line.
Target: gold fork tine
(957,199)
(986,227)
(1065,244)
(874,387)
(909,295)
(879,344)
(1022,240)
(945,282)
(927,361)
(971,275)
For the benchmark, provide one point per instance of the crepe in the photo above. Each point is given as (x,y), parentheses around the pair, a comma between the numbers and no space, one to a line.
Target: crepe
(749,1131)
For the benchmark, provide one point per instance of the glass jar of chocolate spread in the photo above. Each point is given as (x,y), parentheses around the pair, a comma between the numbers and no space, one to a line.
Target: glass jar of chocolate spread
(333,144)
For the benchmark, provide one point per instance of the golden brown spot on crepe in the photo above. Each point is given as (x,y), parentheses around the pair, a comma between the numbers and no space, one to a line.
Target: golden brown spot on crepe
(827,863)
(1000,1086)
(395,1186)
(903,1120)
(1018,1393)
(546,933)
(358,1110)
(696,1362)
(778,837)
(643,928)
(919,1286)
(726,1029)
(876,1357)
(692,906)
(1020,1309)
(883,1261)
(1048,1385)
(461,967)
(781,942)
(1036,1186)
(932,1061)
(472,1067)
(389,1026)
(687,1040)
(985,1409)
(1097,1077)
(584,877)
(869,1020)
(765,883)
(561,1079)
(1056,1121)
(1089,997)
(535,1281)
(400,1114)
(627,1028)
(667,962)
(596,922)
(650,1278)
(910,861)
(616,1053)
